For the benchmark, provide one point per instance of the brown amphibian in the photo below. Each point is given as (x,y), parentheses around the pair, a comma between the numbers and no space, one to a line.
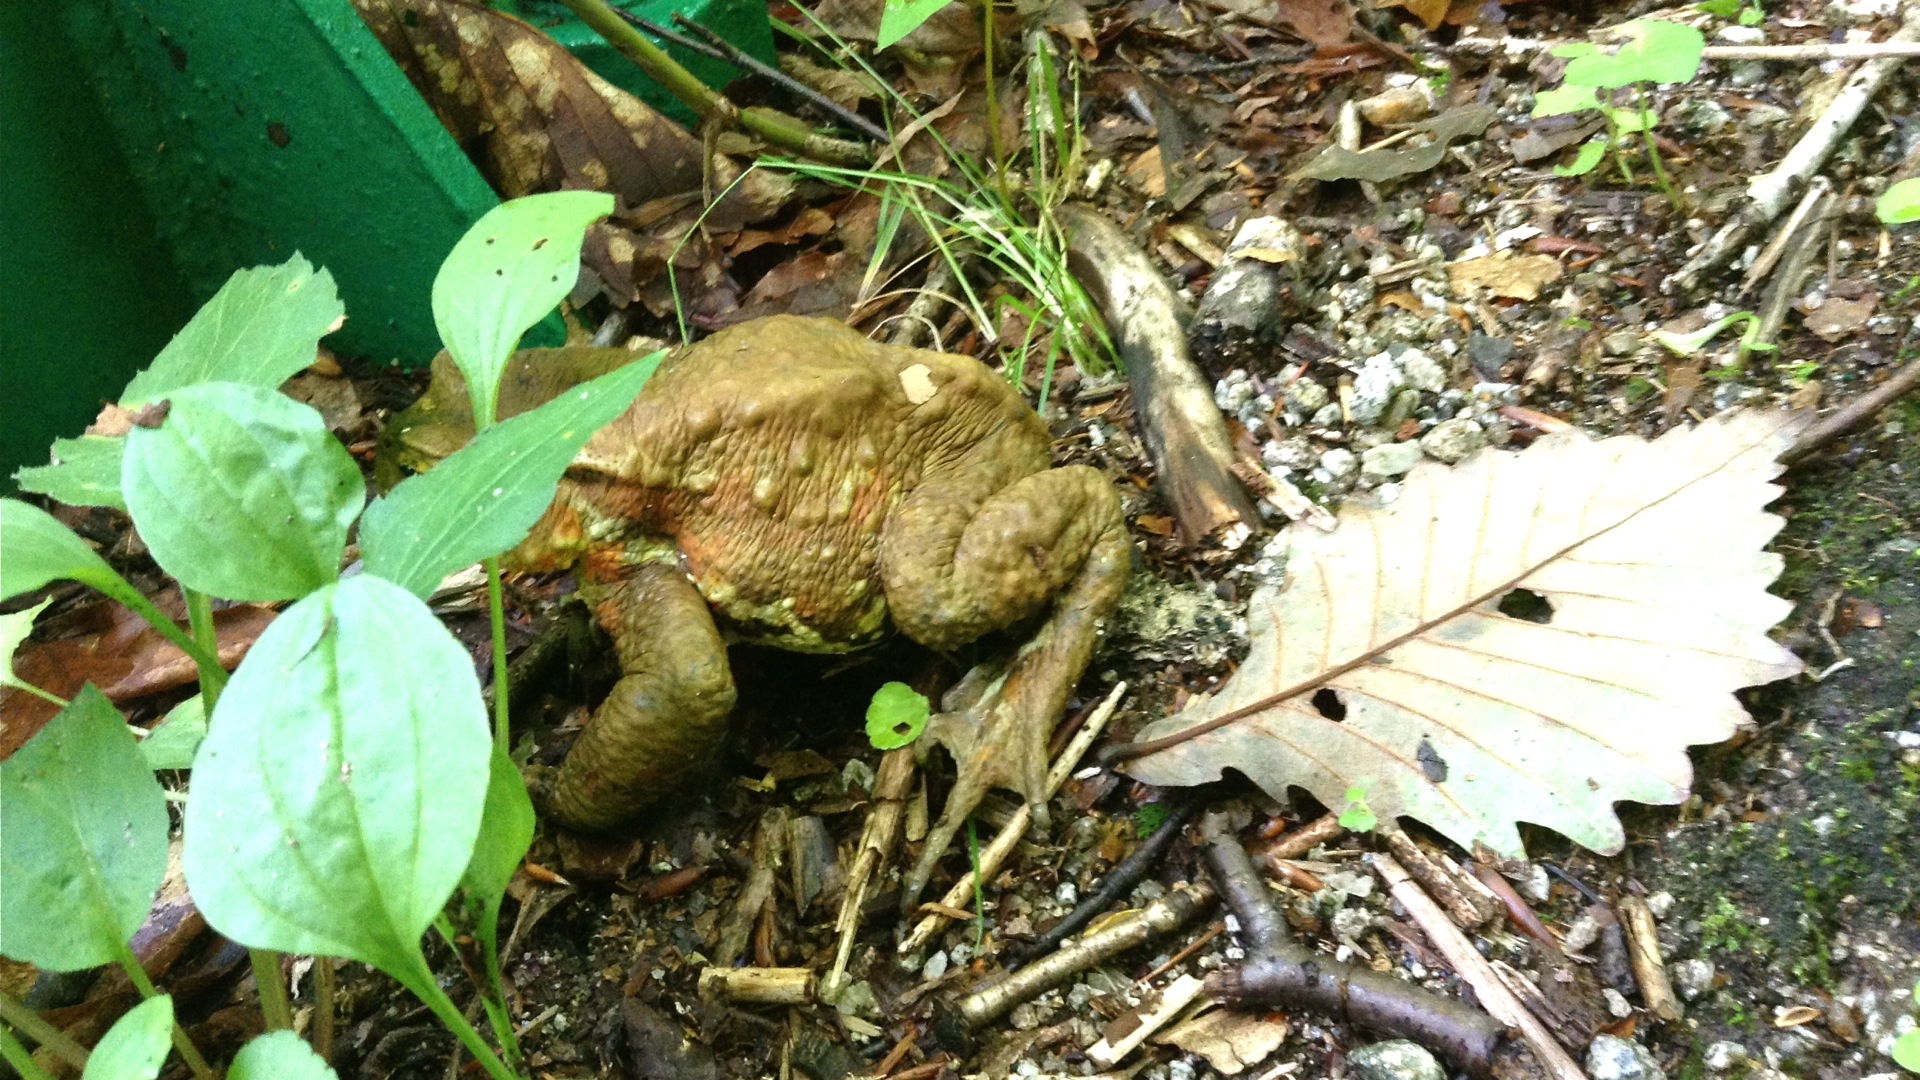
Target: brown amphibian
(789,482)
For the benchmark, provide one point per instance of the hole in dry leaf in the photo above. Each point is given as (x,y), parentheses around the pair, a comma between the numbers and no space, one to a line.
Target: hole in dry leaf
(1527,606)
(1330,705)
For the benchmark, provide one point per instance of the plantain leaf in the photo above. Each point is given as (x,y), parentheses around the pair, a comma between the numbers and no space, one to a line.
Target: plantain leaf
(279,1055)
(85,472)
(260,329)
(136,1045)
(1402,658)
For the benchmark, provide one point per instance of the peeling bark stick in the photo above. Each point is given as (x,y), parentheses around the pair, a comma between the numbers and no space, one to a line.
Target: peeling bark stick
(1767,193)
(996,851)
(891,784)
(1643,950)
(1184,430)
(1280,971)
(1473,968)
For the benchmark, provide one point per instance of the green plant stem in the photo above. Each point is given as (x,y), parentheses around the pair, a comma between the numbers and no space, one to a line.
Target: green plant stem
(213,677)
(497,619)
(709,104)
(1653,153)
(427,989)
(141,606)
(17,1016)
(189,1053)
(55,699)
(993,102)
(493,995)
(16,1055)
(325,989)
(275,1009)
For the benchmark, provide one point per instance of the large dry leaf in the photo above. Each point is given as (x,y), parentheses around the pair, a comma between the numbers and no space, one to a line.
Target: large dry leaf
(1650,555)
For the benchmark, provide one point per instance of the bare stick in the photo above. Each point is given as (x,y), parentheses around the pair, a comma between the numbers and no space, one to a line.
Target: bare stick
(1769,256)
(1767,193)
(1853,416)
(1643,950)
(757,985)
(1185,433)
(995,853)
(725,50)
(1163,916)
(1816,51)
(891,784)
(1174,1000)
(758,890)
(1459,905)
(1280,971)
(1297,842)
(1473,968)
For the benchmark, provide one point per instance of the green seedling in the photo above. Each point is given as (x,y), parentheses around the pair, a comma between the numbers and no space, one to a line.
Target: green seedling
(1900,203)
(1655,52)
(1148,818)
(347,787)
(1744,12)
(1690,343)
(896,716)
(1357,815)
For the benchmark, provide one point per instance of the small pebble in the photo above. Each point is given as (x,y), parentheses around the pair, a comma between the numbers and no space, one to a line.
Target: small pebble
(1397,1059)
(1374,388)
(1452,440)
(1306,397)
(1391,460)
(1724,1056)
(1396,105)
(1423,372)
(1660,903)
(1617,1003)
(1583,932)
(1340,463)
(1693,977)
(936,966)
(1610,1057)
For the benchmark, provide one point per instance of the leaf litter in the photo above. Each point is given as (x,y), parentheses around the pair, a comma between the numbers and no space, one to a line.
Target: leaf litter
(1452,711)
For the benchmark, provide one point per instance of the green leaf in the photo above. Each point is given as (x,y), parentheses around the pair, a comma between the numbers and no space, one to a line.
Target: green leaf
(1148,818)
(1725,9)
(516,263)
(338,794)
(1562,100)
(172,743)
(484,497)
(83,839)
(242,493)
(1656,51)
(279,1055)
(1358,816)
(260,329)
(1689,343)
(1900,203)
(898,18)
(35,549)
(506,831)
(1583,162)
(1630,121)
(14,629)
(1906,1051)
(136,1045)
(896,716)
(85,472)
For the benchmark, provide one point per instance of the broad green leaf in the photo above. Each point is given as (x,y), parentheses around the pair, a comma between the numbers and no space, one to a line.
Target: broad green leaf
(1358,816)
(83,839)
(898,18)
(14,629)
(506,831)
(1656,51)
(1630,121)
(85,472)
(136,1045)
(242,493)
(1900,203)
(279,1055)
(35,549)
(516,263)
(484,497)
(1583,162)
(339,790)
(172,743)
(896,716)
(1562,100)
(1906,1051)
(260,329)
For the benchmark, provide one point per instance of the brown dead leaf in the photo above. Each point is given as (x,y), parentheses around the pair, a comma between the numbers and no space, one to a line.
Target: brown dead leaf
(1148,173)
(532,116)
(1388,663)
(112,422)
(1318,22)
(1231,1040)
(1519,277)
(1430,12)
(1838,318)
(1337,162)
(841,86)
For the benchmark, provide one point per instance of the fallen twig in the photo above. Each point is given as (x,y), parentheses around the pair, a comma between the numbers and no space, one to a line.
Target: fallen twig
(1298,842)
(1465,909)
(1163,916)
(1280,971)
(1519,913)
(1118,882)
(1643,950)
(1819,51)
(757,985)
(1174,1000)
(1473,969)
(757,892)
(1784,288)
(727,51)
(1769,256)
(1767,193)
(1185,433)
(996,850)
(891,784)
(1855,415)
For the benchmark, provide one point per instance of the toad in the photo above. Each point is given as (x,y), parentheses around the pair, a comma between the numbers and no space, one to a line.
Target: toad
(789,482)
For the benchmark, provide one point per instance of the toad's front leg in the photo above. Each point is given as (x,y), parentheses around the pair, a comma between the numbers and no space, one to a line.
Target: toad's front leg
(666,714)
(957,566)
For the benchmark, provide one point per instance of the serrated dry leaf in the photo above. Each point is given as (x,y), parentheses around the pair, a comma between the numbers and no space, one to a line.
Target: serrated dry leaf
(1518,277)
(1471,720)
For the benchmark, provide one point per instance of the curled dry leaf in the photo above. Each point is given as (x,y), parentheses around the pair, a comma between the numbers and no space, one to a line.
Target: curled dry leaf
(1388,664)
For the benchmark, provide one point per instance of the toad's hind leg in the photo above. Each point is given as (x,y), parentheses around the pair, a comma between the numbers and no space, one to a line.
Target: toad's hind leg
(956,568)
(667,712)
